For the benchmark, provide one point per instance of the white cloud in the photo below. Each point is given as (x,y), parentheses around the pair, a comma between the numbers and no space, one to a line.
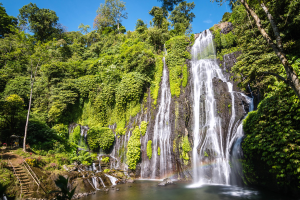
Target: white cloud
(207,21)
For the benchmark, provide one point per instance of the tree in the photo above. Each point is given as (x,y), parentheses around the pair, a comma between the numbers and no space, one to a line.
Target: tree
(159,15)
(7,23)
(291,76)
(182,14)
(42,22)
(140,23)
(36,60)
(84,28)
(10,109)
(169,4)
(112,12)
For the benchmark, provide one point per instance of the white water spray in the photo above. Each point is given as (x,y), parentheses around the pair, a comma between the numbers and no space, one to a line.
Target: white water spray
(211,150)
(112,179)
(162,131)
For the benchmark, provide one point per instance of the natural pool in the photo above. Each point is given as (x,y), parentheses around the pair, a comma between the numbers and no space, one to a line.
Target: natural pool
(149,190)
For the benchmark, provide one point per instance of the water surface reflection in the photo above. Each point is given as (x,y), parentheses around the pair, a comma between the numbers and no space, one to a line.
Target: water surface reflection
(148,190)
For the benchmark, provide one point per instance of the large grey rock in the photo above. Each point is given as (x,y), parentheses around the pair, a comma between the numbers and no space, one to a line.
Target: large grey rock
(130,181)
(165,182)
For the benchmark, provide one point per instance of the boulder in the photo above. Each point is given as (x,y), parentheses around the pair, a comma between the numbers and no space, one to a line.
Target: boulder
(165,182)
(130,181)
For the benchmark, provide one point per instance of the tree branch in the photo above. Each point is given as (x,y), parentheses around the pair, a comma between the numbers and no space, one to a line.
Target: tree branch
(277,75)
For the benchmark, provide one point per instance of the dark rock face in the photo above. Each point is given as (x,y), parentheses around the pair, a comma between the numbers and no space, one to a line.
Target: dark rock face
(227,29)
(181,114)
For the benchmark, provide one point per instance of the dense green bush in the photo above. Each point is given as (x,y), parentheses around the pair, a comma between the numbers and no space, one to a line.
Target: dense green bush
(224,41)
(134,149)
(143,128)
(83,157)
(159,65)
(272,143)
(129,90)
(61,130)
(175,60)
(120,131)
(105,160)
(75,135)
(100,137)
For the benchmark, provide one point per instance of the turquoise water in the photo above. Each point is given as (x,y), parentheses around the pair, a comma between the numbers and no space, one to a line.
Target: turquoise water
(148,190)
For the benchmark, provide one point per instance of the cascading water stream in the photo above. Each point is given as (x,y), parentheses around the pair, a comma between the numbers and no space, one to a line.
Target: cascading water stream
(83,138)
(237,152)
(95,182)
(112,179)
(211,149)
(162,131)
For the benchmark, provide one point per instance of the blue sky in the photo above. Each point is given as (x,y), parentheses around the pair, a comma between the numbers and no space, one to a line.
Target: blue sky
(73,12)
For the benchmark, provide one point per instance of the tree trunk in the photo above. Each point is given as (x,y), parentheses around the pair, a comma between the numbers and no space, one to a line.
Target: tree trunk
(27,119)
(292,78)
(30,99)
(118,28)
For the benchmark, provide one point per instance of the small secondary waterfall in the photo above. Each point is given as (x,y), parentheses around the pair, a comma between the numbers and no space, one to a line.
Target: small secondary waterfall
(237,152)
(162,131)
(83,138)
(112,179)
(95,182)
(145,165)
(211,149)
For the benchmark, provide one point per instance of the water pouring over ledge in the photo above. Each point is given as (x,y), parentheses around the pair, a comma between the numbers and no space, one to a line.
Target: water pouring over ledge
(162,131)
(211,149)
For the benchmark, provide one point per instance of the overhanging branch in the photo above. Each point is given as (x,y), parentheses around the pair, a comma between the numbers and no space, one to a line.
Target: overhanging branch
(278,76)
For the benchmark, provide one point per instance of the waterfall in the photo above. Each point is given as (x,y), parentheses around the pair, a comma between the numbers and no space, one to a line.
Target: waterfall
(112,179)
(83,138)
(237,152)
(95,182)
(162,131)
(211,149)
(145,165)
(102,181)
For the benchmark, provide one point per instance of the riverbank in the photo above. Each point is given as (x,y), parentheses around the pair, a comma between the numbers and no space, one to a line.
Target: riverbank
(28,175)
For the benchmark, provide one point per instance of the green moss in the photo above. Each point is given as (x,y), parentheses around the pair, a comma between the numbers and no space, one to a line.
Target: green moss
(175,60)
(132,110)
(205,154)
(88,116)
(149,149)
(134,149)
(121,131)
(174,145)
(158,151)
(159,65)
(100,137)
(185,148)
(185,75)
(143,128)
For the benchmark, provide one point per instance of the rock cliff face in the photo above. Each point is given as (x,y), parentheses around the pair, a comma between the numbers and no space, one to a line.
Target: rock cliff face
(181,124)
